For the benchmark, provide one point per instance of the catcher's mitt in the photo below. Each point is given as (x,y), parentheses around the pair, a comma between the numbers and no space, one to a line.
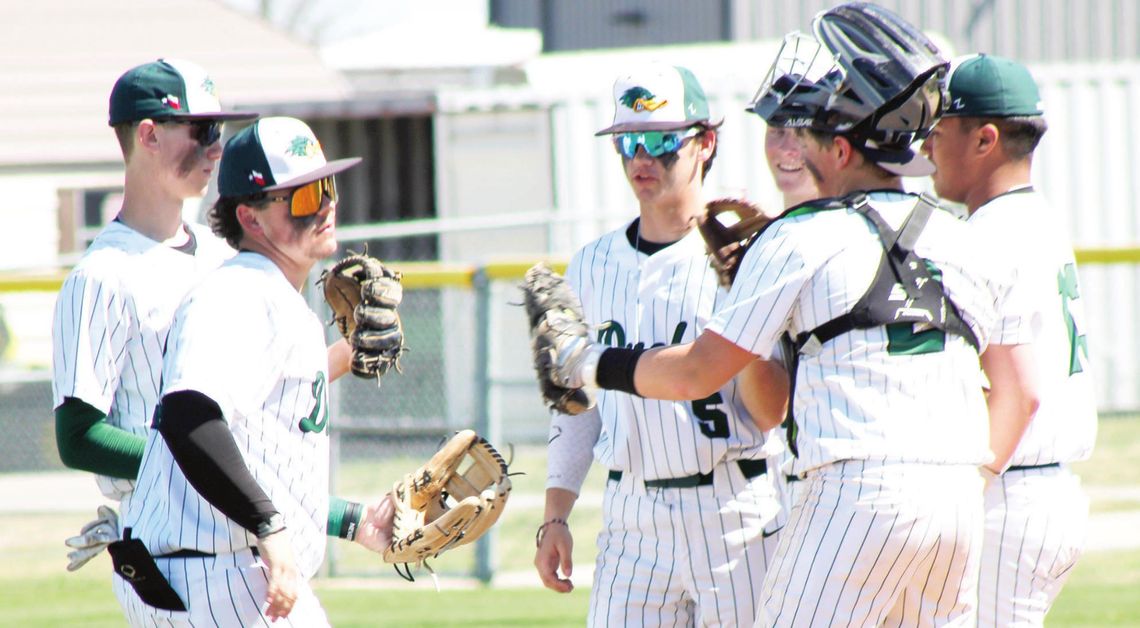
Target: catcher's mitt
(440,507)
(558,336)
(364,295)
(727,243)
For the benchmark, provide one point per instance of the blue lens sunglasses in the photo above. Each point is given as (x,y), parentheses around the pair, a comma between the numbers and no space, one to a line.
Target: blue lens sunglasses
(655,143)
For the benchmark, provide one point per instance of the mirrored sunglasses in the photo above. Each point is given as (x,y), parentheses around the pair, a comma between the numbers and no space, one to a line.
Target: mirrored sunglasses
(307,200)
(205,132)
(655,143)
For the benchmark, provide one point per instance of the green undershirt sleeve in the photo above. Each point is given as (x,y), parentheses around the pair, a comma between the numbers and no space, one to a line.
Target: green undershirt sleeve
(87,442)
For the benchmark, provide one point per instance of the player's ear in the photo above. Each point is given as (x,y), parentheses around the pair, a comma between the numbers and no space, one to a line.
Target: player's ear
(708,143)
(987,138)
(249,218)
(146,135)
(842,149)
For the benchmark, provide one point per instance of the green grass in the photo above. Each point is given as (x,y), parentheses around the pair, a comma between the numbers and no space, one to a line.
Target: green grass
(493,607)
(37,591)
(1101,592)
(1113,462)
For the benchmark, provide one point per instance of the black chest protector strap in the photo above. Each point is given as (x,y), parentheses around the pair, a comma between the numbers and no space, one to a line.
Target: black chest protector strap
(905,290)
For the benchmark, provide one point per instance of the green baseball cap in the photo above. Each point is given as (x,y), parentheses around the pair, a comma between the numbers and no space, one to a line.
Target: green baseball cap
(272,154)
(165,89)
(988,86)
(658,97)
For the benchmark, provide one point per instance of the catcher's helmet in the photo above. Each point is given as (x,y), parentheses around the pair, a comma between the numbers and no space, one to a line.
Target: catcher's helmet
(867,74)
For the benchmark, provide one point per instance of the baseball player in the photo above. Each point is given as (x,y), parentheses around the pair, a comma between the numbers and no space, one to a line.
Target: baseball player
(1036,512)
(114,309)
(796,186)
(889,304)
(231,506)
(687,497)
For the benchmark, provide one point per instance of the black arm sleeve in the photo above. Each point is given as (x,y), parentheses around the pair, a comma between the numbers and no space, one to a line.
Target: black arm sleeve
(201,443)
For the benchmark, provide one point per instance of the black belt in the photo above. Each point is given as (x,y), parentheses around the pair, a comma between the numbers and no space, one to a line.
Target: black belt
(189,553)
(791,478)
(1030,467)
(750,469)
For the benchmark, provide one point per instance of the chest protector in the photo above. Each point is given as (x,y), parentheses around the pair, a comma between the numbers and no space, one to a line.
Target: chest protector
(906,288)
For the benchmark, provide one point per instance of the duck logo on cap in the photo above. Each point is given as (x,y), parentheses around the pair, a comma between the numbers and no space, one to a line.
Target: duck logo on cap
(302,146)
(640,99)
(172,101)
(209,87)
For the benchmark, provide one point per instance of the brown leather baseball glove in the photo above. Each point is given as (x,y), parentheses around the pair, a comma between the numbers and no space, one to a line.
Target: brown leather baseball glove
(364,294)
(728,242)
(440,507)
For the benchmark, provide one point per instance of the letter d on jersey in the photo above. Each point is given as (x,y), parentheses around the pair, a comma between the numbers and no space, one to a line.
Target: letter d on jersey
(318,419)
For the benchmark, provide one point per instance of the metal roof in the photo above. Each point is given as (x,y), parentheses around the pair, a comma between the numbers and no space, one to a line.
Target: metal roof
(61,58)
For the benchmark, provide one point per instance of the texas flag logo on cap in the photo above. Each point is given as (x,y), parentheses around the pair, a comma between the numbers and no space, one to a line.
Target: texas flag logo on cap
(257,177)
(172,101)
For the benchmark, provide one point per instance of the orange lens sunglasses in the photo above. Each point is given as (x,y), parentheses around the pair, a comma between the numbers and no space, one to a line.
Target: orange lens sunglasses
(307,199)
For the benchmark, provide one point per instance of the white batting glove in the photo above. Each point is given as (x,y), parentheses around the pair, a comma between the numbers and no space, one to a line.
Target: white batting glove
(93,538)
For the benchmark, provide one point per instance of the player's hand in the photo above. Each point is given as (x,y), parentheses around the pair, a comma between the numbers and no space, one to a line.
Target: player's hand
(554,553)
(284,578)
(375,528)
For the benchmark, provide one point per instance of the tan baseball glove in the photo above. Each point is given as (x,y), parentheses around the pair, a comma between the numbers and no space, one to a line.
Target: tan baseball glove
(727,243)
(364,295)
(559,336)
(440,507)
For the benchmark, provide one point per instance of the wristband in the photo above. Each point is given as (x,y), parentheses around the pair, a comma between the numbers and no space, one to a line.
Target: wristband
(351,521)
(542,528)
(616,367)
(273,525)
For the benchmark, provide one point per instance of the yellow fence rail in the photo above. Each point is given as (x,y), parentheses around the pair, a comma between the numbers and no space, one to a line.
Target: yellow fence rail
(416,275)
(443,275)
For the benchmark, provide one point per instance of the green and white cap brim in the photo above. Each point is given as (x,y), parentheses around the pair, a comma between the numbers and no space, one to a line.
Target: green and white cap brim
(273,154)
(168,89)
(658,97)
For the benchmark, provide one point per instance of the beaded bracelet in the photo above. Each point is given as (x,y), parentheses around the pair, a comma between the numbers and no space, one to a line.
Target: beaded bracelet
(542,528)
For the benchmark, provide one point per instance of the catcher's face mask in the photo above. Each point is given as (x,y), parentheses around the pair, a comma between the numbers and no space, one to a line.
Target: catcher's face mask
(655,143)
(307,200)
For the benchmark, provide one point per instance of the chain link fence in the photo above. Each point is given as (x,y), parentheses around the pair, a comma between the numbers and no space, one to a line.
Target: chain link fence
(467,366)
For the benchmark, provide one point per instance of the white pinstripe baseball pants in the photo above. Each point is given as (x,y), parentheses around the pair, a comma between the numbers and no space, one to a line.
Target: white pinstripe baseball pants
(1036,529)
(227,590)
(683,556)
(879,544)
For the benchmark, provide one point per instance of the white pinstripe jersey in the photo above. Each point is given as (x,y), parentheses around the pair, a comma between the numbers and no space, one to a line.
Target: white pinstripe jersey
(862,397)
(248,340)
(1022,226)
(111,319)
(662,299)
